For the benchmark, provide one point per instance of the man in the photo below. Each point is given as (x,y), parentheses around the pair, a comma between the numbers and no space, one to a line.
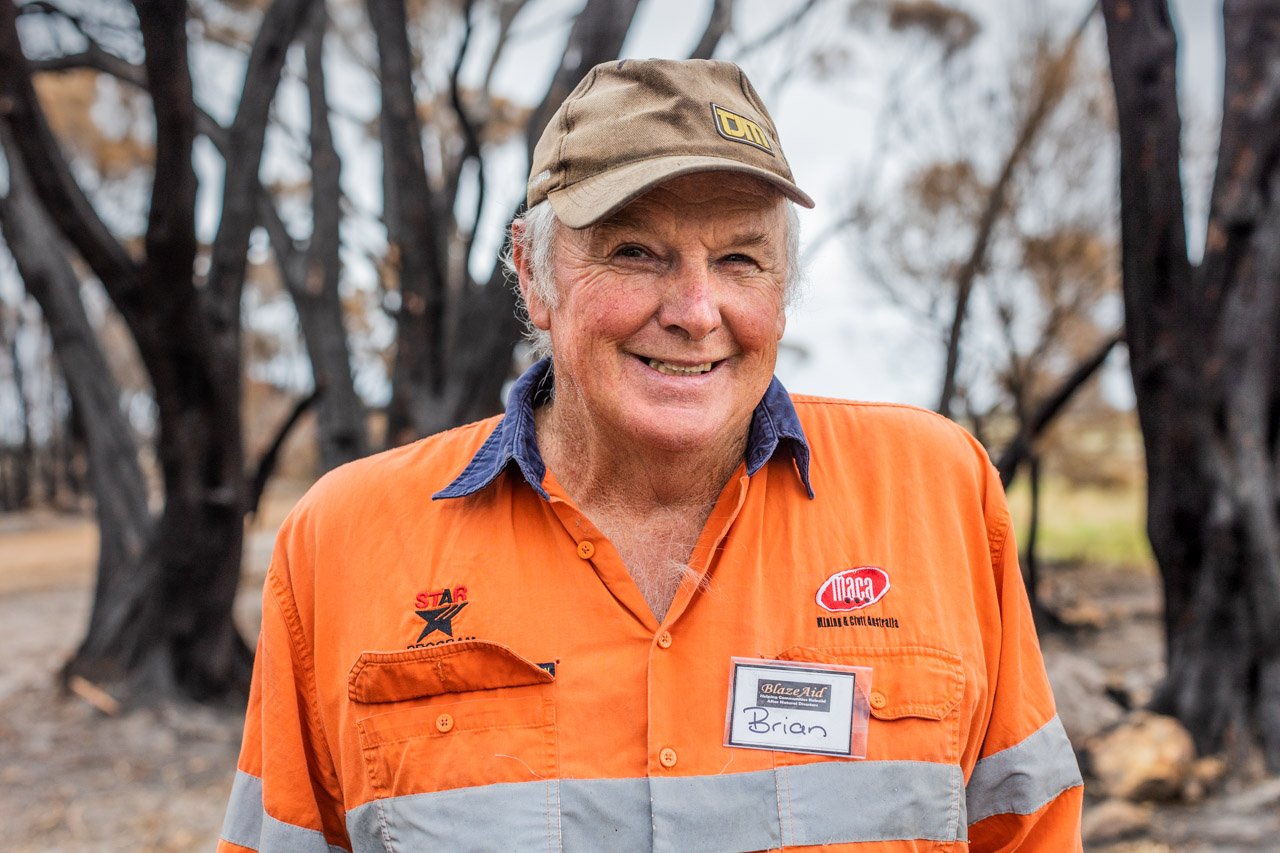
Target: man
(660,604)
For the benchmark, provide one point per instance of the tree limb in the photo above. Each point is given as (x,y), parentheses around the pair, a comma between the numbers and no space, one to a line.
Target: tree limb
(488,314)
(596,36)
(58,189)
(717,25)
(280,25)
(171,233)
(271,456)
(786,22)
(507,12)
(415,217)
(1052,87)
(1031,428)
(470,138)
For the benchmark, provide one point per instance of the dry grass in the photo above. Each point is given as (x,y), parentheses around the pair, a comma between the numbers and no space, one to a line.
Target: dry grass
(1102,525)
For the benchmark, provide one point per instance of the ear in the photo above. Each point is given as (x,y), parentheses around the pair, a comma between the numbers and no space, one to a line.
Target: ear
(782,322)
(539,313)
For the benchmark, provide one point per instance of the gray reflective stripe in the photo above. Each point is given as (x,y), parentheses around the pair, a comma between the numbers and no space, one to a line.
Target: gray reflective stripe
(243,823)
(605,814)
(826,803)
(837,803)
(248,824)
(737,811)
(1025,777)
(510,816)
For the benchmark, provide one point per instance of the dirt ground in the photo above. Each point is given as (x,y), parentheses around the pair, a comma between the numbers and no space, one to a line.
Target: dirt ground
(72,779)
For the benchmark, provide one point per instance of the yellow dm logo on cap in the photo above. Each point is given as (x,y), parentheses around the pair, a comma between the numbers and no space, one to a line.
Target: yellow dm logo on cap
(739,128)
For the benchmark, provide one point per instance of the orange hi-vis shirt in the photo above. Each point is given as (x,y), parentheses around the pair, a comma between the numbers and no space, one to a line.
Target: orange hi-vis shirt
(479,671)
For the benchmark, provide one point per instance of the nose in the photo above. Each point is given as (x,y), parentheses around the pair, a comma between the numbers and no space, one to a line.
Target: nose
(689,303)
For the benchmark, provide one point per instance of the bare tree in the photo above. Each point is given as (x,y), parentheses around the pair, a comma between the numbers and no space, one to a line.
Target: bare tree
(312,272)
(1052,83)
(165,626)
(124,521)
(1203,341)
(1025,236)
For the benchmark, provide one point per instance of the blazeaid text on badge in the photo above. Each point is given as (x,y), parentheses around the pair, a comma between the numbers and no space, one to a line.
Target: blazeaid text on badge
(790,706)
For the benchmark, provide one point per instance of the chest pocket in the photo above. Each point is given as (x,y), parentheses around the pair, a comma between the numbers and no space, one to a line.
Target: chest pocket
(463,714)
(915,691)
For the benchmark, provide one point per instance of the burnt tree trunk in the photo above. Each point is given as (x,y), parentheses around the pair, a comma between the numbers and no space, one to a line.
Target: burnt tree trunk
(340,413)
(1203,348)
(119,489)
(313,272)
(22,458)
(416,235)
(165,627)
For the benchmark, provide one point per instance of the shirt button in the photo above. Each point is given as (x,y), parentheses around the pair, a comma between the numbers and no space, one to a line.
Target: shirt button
(668,757)
(664,640)
(444,723)
(877,699)
(586,550)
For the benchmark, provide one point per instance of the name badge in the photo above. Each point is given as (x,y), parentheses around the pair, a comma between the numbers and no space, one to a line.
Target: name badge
(798,707)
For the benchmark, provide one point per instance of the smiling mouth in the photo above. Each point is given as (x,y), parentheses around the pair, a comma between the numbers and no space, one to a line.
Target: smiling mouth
(669,369)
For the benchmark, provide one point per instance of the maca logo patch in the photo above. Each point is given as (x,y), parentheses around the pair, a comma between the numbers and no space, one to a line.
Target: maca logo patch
(438,608)
(853,589)
(739,128)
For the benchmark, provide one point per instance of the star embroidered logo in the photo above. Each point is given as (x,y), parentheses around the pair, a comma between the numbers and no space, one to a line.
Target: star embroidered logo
(439,619)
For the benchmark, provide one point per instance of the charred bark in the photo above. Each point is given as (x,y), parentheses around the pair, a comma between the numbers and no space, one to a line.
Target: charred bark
(313,272)
(416,238)
(119,489)
(1203,350)
(165,627)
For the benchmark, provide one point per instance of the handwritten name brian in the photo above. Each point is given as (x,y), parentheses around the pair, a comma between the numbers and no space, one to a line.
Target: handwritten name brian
(759,722)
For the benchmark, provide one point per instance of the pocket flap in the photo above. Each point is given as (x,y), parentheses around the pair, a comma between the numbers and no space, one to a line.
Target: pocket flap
(906,681)
(448,668)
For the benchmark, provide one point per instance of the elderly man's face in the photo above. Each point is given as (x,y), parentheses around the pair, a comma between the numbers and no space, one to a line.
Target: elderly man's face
(669,314)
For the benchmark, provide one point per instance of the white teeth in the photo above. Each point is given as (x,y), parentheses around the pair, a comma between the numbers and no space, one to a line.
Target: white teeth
(679,370)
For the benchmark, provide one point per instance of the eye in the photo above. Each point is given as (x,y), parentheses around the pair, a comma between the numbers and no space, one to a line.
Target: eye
(738,258)
(630,250)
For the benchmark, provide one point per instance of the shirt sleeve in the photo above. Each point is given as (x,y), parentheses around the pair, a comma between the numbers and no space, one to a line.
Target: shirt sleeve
(286,797)
(1025,790)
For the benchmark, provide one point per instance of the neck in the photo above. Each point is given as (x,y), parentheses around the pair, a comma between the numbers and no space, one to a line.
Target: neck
(640,480)
(652,505)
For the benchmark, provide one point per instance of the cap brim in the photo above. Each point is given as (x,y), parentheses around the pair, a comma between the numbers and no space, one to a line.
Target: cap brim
(589,201)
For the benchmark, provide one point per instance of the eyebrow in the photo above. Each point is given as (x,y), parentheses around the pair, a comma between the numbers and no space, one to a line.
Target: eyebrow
(751,238)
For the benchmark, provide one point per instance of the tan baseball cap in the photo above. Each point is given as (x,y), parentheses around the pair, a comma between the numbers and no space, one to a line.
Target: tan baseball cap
(632,124)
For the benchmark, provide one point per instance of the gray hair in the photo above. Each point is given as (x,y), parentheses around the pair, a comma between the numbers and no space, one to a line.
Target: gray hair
(537,241)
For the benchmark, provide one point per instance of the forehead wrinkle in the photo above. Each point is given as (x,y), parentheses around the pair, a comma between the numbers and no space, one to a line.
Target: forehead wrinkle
(749,236)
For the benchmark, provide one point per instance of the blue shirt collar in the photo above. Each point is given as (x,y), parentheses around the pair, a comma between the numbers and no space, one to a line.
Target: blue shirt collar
(774,423)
